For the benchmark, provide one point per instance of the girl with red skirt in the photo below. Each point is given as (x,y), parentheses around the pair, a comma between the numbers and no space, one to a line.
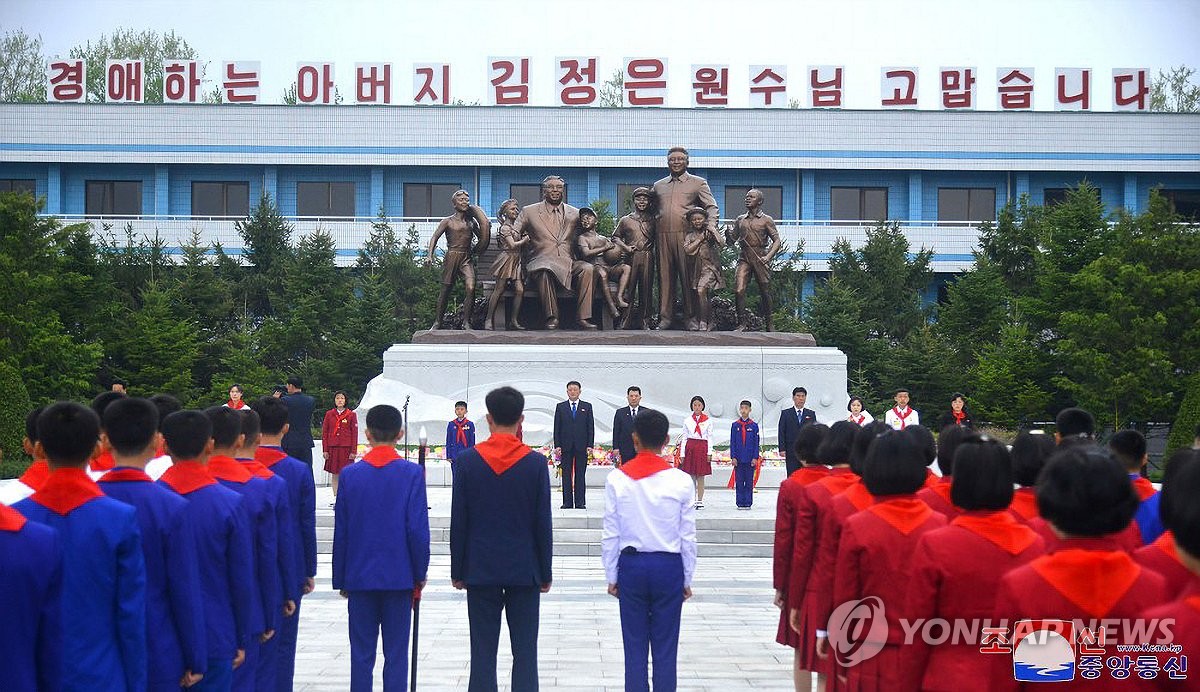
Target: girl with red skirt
(339,437)
(697,432)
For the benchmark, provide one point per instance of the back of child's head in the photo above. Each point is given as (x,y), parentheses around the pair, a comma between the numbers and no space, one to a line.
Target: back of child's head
(835,448)
(31,418)
(103,400)
(1029,454)
(949,439)
(226,426)
(1083,491)
(923,436)
(130,424)
(250,426)
(983,477)
(272,415)
(186,433)
(1129,448)
(808,441)
(651,426)
(862,443)
(68,433)
(895,465)
(166,405)
(385,423)
(505,405)
(1074,424)
(1178,509)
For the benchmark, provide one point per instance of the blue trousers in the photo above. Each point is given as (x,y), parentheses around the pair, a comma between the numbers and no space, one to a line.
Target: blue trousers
(372,612)
(743,483)
(520,604)
(286,651)
(218,677)
(266,672)
(650,591)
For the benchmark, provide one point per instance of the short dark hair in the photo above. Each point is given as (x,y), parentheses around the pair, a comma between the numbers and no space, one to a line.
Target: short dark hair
(166,405)
(695,399)
(1128,447)
(983,476)
(894,465)
(31,432)
(344,394)
(1075,422)
(651,427)
(808,440)
(296,381)
(799,390)
(1177,507)
(103,400)
(576,383)
(948,441)
(68,433)
(634,388)
(237,386)
(901,389)
(130,424)
(957,395)
(279,388)
(384,422)
(120,381)
(251,425)
(1029,453)
(923,436)
(460,403)
(186,434)
(838,443)
(746,403)
(1084,492)
(505,404)
(852,400)
(862,443)
(272,414)
(226,425)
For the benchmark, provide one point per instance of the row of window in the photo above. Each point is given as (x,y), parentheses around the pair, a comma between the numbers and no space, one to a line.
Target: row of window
(336,199)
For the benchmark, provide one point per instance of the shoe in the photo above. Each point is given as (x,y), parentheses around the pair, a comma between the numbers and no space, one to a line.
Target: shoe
(552,323)
(567,507)
(584,324)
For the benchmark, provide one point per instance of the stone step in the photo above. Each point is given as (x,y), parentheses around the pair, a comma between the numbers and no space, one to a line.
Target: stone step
(325,547)
(740,522)
(703,536)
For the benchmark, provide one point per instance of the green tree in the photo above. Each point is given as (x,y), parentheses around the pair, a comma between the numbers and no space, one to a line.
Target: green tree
(159,347)
(885,278)
(1175,91)
(1005,381)
(289,96)
(151,47)
(612,90)
(13,460)
(1187,420)
(266,236)
(22,68)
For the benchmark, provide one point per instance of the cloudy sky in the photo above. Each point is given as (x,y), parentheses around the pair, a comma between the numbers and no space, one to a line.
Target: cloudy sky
(863,35)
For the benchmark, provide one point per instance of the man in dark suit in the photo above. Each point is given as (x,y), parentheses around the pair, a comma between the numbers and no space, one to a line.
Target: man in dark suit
(298,442)
(623,424)
(574,435)
(791,420)
(501,542)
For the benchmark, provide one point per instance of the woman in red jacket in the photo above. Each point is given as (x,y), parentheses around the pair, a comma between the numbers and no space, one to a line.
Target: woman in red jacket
(339,437)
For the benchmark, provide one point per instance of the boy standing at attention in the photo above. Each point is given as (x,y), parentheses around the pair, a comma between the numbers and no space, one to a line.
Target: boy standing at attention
(381,551)
(460,433)
(901,415)
(104,574)
(743,449)
(31,600)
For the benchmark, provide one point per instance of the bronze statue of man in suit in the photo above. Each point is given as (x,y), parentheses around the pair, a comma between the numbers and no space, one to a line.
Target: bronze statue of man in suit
(676,194)
(467,222)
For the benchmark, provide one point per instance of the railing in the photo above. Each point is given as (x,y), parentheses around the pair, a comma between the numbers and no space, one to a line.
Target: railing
(951,242)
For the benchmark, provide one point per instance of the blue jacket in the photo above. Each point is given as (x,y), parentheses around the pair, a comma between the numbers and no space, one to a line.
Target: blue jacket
(266,596)
(31,600)
(302,499)
(453,446)
(740,451)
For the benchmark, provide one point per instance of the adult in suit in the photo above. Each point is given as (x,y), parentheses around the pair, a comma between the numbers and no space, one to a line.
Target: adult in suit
(623,423)
(676,194)
(298,442)
(501,542)
(550,225)
(791,420)
(574,435)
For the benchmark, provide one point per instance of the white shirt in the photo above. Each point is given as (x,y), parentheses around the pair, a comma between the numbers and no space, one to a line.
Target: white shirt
(689,431)
(654,514)
(866,418)
(157,466)
(13,491)
(898,423)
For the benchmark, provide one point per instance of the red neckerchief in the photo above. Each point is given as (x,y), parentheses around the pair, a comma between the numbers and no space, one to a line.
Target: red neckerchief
(35,476)
(103,461)
(744,424)
(66,490)
(807,475)
(1166,543)
(958,416)
(1001,528)
(644,465)
(699,418)
(1092,579)
(342,418)
(235,404)
(460,433)
(1193,601)
(838,480)
(381,456)
(902,416)
(931,478)
(187,476)
(942,489)
(225,468)
(11,519)
(124,474)
(255,468)
(502,451)
(1143,487)
(1024,503)
(269,456)
(858,495)
(857,420)
(903,513)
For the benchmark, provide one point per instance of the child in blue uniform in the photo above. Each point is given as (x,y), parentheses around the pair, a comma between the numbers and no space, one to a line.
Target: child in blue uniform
(223,545)
(460,433)
(381,551)
(31,600)
(743,449)
(104,573)
(174,615)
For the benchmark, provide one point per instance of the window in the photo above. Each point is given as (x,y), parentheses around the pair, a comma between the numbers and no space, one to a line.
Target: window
(113,198)
(430,200)
(325,199)
(858,203)
(735,201)
(1053,196)
(1186,203)
(625,196)
(529,194)
(966,204)
(18,186)
(220,199)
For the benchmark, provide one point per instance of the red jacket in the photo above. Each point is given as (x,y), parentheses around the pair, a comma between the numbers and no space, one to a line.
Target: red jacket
(339,430)
(1161,556)
(937,496)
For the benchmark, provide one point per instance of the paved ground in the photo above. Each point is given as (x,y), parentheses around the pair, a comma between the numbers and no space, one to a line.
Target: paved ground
(726,643)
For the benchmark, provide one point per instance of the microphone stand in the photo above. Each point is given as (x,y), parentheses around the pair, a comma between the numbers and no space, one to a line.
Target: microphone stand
(404,410)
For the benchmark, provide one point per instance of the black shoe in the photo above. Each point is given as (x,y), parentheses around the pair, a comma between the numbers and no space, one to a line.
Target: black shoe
(567,507)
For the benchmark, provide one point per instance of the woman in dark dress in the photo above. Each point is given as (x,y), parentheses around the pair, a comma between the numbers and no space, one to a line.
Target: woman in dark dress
(957,415)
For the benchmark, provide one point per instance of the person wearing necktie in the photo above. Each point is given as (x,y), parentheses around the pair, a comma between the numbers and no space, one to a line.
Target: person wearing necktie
(791,419)
(574,437)
(623,424)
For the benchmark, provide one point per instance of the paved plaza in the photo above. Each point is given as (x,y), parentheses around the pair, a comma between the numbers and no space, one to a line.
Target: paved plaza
(727,640)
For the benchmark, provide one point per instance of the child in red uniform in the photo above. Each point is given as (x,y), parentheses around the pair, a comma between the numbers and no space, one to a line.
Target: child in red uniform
(937,496)
(339,437)
(1085,497)
(1029,453)
(1162,556)
(952,566)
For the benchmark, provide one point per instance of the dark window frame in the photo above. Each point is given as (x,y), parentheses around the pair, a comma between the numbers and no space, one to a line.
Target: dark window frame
(737,205)
(226,186)
(971,204)
(26,185)
(110,191)
(863,213)
(1172,195)
(328,212)
(1059,195)
(435,206)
